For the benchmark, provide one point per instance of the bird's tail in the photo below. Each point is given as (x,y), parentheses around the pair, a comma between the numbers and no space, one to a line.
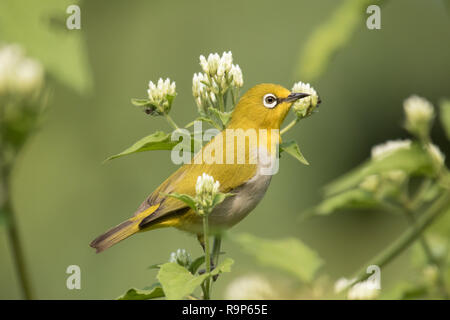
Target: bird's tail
(121,231)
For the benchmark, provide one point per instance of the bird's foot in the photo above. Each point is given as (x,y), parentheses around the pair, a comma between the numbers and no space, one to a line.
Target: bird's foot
(202,271)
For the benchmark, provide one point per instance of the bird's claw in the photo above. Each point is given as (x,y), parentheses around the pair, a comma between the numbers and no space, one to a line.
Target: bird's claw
(203,271)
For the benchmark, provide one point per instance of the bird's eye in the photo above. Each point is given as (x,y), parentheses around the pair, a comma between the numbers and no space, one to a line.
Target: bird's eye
(270,101)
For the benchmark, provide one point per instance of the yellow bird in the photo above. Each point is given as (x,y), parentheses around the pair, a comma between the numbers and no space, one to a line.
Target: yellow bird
(263,107)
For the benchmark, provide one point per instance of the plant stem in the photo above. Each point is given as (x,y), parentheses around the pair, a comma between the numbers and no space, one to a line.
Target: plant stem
(207,256)
(408,237)
(233,98)
(289,126)
(220,99)
(216,249)
(170,121)
(427,249)
(13,234)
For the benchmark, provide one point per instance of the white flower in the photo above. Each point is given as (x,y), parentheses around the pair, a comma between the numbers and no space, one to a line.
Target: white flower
(341,284)
(364,290)
(29,76)
(419,114)
(252,287)
(418,109)
(304,88)
(198,85)
(206,185)
(219,75)
(382,150)
(159,94)
(236,74)
(211,64)
(206,190)
(226,61)
(181,256)
(436,154)
(18,74)
(213,97)
(304,107)
(200,91)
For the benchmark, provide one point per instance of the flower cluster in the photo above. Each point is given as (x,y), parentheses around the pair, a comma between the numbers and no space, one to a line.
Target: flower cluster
(383,150)
(182,257)
(304,107)
(19,75)
(206,190)
(161,95)
(220,74)
(419,115)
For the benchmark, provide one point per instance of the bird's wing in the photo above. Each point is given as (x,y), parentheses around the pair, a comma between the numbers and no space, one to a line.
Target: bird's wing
(184,179)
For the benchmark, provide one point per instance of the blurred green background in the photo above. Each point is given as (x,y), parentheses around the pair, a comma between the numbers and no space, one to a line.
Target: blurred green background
(65,196)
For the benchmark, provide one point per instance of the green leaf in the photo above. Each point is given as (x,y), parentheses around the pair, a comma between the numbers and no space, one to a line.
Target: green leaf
(190,201)
(204,119)
(178,282)
(155,266)
(292,148)
(156,141)
(350,199)
(445,116)
(152,292)
(414,161)
(196,264)
(223,116)
(220,197)
(289,255)
(40,25)
(331,36)
(140,102)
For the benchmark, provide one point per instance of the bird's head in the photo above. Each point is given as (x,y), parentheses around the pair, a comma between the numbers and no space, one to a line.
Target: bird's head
(264,106)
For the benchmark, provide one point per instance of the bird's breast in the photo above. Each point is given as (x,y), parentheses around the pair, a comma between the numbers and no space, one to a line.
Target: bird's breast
(246,198)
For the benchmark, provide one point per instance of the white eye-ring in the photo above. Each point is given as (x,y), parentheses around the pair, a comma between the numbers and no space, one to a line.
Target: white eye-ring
(270,101)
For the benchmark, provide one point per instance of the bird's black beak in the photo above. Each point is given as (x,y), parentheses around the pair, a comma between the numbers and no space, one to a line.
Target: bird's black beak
(294,96)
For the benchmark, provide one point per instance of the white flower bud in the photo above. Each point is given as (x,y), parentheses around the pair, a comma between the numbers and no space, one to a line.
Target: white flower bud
(206,189)
(198,87)
(18,74)
(236,74)
(383,150)
(159,94)
(182,257)
(204,64)
(305,106)
(213,64)
(213,97)
(419,115)
(226,61)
